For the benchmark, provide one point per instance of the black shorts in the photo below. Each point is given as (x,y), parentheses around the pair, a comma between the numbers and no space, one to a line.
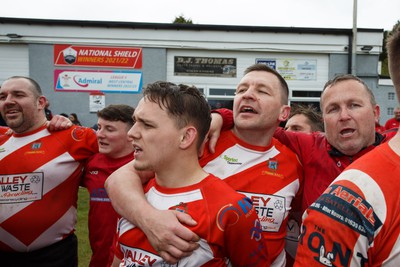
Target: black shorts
(61,254)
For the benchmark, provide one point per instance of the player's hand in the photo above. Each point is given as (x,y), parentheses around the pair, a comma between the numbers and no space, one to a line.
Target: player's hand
(168,235)
(59,123)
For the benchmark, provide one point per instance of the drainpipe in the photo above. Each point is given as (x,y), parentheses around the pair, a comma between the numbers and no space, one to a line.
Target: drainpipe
(354,40)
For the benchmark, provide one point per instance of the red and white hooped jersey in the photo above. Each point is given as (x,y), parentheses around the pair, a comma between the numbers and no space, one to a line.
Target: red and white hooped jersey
(356,221)
(40,174)
(270,176)
(227,225)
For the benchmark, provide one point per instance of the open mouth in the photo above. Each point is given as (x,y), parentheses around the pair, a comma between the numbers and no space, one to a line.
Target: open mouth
(136,149)
(11,111)
(247,109)
(347,132)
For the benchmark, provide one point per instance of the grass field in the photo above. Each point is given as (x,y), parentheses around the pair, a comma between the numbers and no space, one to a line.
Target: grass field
(84,251)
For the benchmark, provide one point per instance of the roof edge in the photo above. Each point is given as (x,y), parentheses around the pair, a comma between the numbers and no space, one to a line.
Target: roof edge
(179,26)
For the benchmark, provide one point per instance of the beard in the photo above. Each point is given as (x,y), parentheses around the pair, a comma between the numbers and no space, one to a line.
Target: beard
(15,123)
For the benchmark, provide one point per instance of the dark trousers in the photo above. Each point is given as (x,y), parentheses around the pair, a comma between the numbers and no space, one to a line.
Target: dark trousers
(61,254)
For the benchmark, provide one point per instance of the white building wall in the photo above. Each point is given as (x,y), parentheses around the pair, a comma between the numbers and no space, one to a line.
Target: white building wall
(245,59)
(14,60)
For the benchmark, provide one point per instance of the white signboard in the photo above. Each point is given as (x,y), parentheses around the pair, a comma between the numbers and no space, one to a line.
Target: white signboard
(98,81)
(293,69)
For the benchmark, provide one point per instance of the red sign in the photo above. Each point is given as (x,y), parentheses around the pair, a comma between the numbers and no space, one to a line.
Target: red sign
(97,56)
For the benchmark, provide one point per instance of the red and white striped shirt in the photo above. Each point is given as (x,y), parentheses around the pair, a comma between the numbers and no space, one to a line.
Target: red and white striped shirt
(40,174)
(227,225)
(356,221)
(270,176)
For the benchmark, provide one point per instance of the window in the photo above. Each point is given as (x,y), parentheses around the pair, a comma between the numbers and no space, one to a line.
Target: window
(306,93)
(390,96)
(390,111)
(220,103)
(222,92)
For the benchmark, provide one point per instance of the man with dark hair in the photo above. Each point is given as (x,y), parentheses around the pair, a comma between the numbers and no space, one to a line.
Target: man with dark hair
(40,176)
(115,150)
(305,119)
(349,112)
(171,123)
(247,158)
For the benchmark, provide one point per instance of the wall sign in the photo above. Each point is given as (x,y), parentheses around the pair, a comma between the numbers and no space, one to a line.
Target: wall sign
(293,69)
(98,81)
(205,66)
(97,56)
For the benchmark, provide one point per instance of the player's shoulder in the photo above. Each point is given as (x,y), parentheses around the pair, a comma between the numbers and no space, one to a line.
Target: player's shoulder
(77,133)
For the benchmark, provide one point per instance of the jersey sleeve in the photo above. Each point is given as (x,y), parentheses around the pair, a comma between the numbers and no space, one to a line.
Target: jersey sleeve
(339,228)
(83,143)
(243,235)
(227,116)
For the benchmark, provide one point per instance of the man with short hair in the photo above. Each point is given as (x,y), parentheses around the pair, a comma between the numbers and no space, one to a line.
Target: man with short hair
(349,112)
(356,222)
(171,122)
(247,158)
(41,172)
(115,150)
(304,119)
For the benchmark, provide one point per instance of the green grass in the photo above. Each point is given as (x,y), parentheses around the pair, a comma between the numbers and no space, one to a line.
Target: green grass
(84,251)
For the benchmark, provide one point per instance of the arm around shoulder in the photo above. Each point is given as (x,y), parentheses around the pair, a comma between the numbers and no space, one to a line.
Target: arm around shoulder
(163,228)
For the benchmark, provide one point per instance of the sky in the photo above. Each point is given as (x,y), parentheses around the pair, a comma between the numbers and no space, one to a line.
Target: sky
(382,14)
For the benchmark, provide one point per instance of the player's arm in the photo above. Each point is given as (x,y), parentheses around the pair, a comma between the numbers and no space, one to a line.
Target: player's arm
(221,119)
(164,229)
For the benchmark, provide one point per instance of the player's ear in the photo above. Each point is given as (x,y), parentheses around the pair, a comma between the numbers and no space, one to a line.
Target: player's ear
(284,113)
(188,136)
(41,101)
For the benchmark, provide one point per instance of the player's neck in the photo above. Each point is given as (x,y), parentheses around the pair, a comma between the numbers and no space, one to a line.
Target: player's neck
(182,174)
(254,137)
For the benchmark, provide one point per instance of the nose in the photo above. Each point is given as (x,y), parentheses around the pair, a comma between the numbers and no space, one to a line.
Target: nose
(344,114)
(249,94)
(8,99)
(133,132)
(100,133)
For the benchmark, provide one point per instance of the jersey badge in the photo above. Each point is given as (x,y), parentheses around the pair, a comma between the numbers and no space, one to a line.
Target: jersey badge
(2,149)
(272,165)
(78,133)
(272,169)
(35,149)
(36,146)
(182,207)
